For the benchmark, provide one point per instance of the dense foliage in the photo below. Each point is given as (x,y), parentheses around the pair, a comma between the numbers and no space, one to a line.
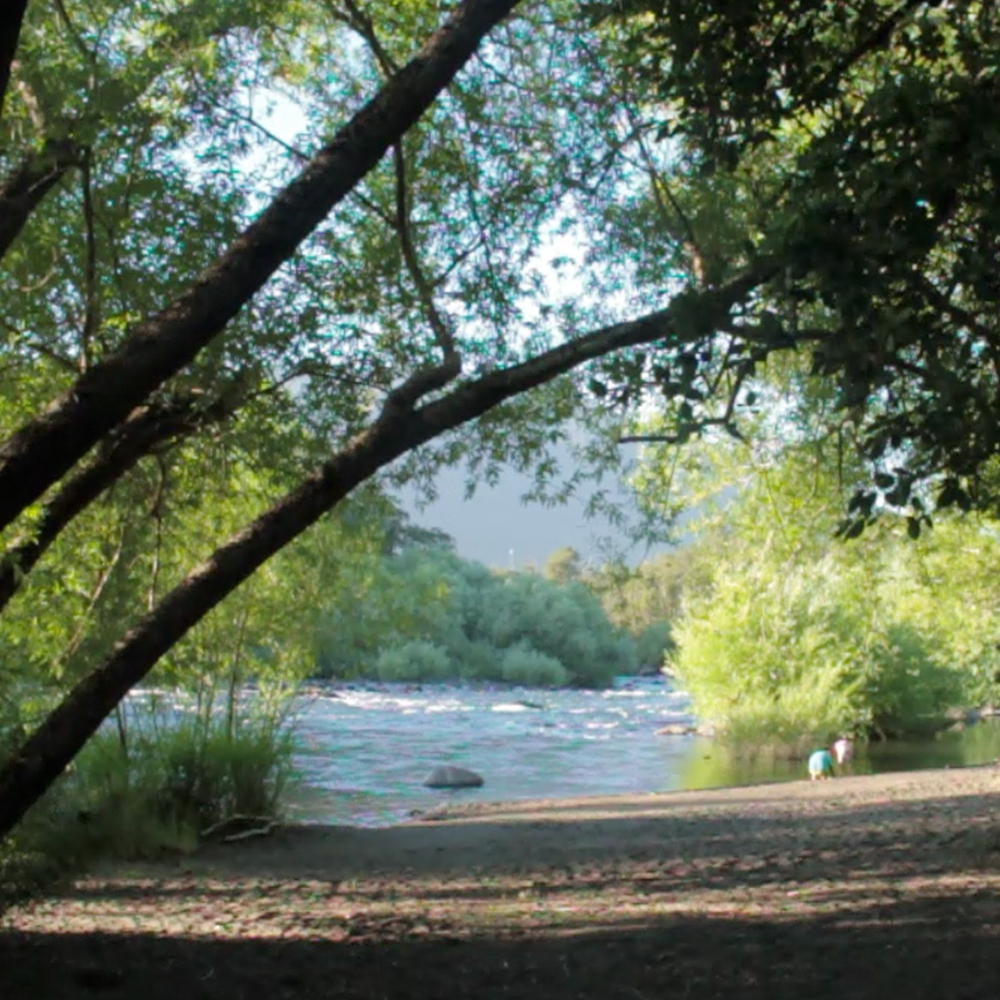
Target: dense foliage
(797,636)
(430,615)
(846,146)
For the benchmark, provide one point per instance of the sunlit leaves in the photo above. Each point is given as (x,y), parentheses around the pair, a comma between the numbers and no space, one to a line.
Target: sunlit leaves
(800,636)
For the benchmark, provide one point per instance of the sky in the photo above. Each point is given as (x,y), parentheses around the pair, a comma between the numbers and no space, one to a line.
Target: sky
(496,528)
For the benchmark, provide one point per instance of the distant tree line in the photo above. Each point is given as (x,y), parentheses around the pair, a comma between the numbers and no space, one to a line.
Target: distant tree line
(430,615)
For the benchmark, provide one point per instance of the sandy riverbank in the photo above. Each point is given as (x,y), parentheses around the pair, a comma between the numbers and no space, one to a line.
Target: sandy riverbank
(875,886)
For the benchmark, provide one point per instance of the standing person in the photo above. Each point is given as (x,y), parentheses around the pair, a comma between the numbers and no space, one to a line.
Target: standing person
(820,765)
(843,751)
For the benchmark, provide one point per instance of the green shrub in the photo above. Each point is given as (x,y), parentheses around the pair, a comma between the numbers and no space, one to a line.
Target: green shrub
(653,643)
(433,597)
(768,654)
(414,661)
(530,668)
(476,661)
(564,621)
(803,651)
(908,686)
(810,712)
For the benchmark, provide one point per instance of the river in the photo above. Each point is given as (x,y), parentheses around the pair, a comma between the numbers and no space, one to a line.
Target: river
(365,749)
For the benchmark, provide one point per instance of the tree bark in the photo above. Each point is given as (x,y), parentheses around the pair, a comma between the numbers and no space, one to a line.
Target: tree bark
(43,450)
(145,429)
(46,753)
(10,32)
(29,184)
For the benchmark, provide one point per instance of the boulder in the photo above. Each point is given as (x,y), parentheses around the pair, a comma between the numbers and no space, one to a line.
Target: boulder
(955,720)
(676,729)
(448,776)
(966,715)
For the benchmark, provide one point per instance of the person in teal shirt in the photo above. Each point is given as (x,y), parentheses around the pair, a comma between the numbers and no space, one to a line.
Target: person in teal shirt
(820,765)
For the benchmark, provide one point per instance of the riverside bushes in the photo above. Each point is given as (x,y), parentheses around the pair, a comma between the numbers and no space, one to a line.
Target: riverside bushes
(441,616)
(526,666)
(875,640)
(418,660)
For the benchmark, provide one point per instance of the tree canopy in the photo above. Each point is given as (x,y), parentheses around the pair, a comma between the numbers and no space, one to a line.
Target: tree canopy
(492,219)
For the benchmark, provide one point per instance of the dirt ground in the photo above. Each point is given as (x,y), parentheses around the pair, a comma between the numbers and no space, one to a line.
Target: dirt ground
(885,886)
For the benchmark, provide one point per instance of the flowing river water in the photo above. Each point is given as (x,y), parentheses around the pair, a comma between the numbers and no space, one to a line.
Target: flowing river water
(364,750)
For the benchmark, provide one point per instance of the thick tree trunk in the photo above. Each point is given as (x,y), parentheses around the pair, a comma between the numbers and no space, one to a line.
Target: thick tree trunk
(43,450)
(60,737)
(145,429)
(10,31)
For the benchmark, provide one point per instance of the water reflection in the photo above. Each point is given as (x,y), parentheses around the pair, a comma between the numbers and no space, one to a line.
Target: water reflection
(713,765)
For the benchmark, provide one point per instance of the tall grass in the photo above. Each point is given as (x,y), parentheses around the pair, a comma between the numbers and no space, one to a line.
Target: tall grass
(154,780)
(173,782)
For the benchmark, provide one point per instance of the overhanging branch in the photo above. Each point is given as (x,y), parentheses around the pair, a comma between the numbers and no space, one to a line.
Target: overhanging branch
(43,757)
(44,449)
(433,377)
(145,430)
(438,324)
(30,182)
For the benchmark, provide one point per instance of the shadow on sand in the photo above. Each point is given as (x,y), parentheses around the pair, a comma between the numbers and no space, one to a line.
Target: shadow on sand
(913,950)
(903,904)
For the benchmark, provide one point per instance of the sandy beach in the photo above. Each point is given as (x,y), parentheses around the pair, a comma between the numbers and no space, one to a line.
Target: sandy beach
(878,886)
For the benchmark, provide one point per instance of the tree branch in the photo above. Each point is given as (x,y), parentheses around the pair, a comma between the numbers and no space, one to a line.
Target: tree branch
(442,334)
(660,188)
(77,38)
(434,377)
(91,312)
(249,119)
(156,512)
(30,182)
(879,37)
(10,32)
(423,381)
(67,364)
(43,450)
(362,24)
(45,754)
(145,430)
(79,635)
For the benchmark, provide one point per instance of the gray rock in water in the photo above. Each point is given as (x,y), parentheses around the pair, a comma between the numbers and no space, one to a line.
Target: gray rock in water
(453,777)
(676,729)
